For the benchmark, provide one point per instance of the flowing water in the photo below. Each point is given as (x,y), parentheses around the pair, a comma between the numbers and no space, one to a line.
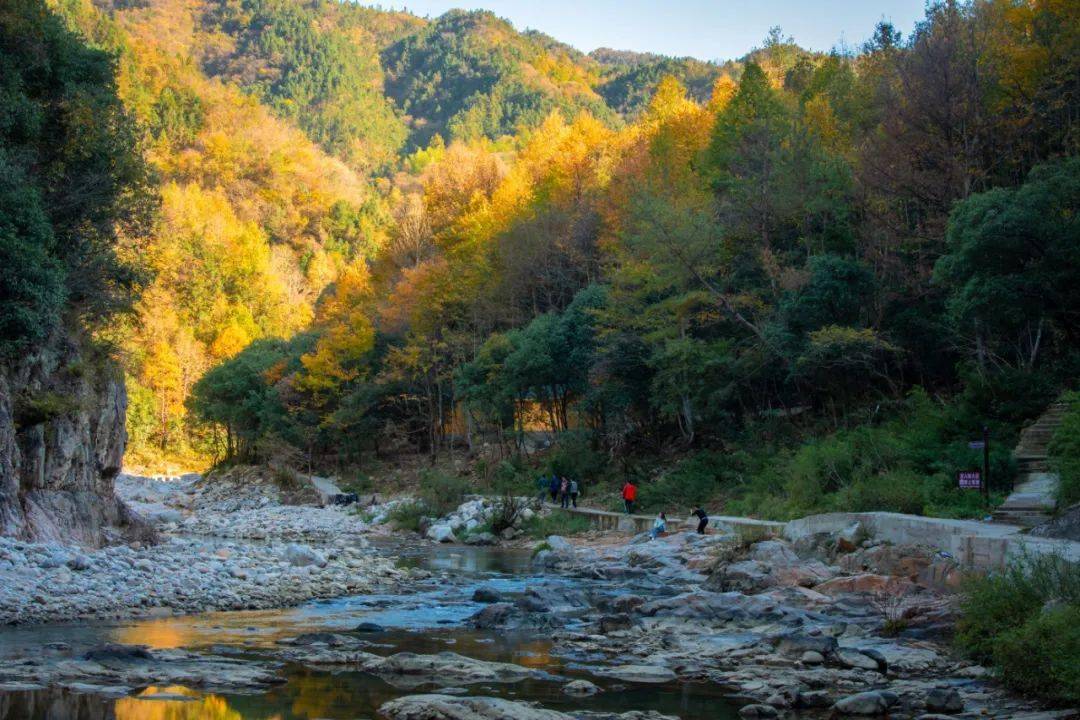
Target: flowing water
(428,621)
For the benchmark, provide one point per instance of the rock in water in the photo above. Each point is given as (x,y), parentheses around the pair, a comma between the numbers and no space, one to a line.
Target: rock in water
(639,673)
(580,688)
(369,627)
(486,595)
(445,707)
(441,533)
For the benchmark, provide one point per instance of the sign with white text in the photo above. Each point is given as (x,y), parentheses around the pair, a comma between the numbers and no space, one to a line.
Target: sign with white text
(969,479)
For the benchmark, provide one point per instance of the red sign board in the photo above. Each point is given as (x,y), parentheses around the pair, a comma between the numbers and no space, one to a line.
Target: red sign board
(969,479)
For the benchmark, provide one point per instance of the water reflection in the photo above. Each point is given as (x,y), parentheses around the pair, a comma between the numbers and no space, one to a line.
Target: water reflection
(426,621)
(309,695)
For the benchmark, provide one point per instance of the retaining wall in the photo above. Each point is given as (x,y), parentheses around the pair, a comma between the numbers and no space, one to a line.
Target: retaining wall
(977,545)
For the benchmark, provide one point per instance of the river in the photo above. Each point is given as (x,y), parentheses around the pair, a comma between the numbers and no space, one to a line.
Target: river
(428,620)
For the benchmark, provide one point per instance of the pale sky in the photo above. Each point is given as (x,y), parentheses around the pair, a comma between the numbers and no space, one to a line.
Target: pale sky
(704,29)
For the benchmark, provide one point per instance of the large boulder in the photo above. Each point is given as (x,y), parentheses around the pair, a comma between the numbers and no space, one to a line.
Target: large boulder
(445,668)
(442,533)
(1065,526)
(944,700)
(774,553)
(865,703)
(560,545)
(796,644)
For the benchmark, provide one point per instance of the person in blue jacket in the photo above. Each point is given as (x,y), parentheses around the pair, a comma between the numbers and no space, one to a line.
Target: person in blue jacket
(553,486)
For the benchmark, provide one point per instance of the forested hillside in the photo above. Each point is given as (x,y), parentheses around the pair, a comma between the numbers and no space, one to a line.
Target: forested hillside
(790,282)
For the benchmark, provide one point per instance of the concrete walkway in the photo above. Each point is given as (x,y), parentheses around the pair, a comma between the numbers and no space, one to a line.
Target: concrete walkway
(749,528)
(973,544)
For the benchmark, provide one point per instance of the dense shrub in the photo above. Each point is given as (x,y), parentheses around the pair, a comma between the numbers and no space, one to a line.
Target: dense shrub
(1042,656)
(441,493)
(1065,452)
(1025,620)
(907,464)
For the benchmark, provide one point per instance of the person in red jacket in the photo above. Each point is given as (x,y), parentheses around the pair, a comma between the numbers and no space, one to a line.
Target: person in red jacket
(629,495)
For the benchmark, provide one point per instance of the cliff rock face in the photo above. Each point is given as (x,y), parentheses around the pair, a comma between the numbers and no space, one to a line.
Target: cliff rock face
(62,439)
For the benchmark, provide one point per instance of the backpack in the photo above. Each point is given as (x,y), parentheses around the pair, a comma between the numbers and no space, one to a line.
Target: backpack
(573,487)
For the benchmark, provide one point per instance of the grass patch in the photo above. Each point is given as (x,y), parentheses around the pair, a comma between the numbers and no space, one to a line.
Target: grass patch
(1025,622)
(557,523)
(407,515)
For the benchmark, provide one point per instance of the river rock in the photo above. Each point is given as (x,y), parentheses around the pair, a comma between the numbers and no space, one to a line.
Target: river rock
(758,711)
(638,673)
(114,665)
(580,688)
(864,703)
(446,707)
(795,644)
(866,583)
(614,623)
(773,553)
(303,555)
(481,539)
(850,658)
(486,595)
(848,539)
(441,533)
(944,700)
(559,544)
(813,699)
(492,616)
(445,668)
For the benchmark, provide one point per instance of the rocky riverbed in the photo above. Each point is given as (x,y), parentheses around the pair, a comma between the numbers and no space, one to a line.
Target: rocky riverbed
(52,583)
(589,627)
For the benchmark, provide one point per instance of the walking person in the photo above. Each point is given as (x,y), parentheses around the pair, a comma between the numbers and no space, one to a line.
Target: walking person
(553,487)
(564,493)
(659,526)
(703,519)
(542,488)
(574,492)
(629,495)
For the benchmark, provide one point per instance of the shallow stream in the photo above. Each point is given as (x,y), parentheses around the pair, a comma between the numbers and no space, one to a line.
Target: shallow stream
(427,621)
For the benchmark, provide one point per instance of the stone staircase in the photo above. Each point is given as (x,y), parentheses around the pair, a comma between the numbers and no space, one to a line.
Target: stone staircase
(1034,497)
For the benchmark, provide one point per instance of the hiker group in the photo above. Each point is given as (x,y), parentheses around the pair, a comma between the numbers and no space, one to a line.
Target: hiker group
(566,492)
(562,489)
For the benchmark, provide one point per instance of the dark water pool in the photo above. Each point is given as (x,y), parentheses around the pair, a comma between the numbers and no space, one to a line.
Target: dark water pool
(426,621)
